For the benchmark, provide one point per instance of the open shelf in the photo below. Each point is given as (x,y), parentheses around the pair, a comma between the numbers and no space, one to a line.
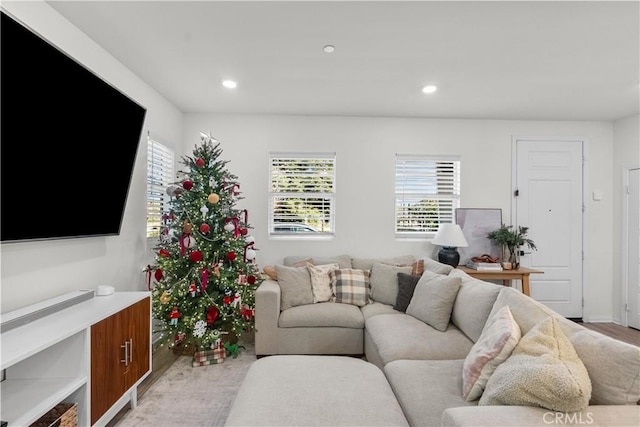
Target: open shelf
(26,400)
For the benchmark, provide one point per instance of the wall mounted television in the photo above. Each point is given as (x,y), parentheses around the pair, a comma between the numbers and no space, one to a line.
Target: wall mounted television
(68,142)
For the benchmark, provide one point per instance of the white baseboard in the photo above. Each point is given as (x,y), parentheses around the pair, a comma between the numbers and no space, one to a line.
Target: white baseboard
(597,319)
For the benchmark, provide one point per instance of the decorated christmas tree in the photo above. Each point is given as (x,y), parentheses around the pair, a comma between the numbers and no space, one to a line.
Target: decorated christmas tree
(205,270)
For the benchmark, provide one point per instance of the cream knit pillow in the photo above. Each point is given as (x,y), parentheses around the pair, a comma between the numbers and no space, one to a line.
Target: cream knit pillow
(320,281)
(544,370)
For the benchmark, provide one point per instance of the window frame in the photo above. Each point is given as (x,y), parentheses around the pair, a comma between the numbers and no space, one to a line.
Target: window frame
(161,160)
(446,191)
(328,193)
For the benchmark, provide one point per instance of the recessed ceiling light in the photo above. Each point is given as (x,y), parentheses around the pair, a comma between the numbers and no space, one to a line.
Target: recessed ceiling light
(429,88)
(229,84)
(329,48)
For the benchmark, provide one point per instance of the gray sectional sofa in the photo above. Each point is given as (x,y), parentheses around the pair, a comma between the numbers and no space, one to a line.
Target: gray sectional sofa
(424,365)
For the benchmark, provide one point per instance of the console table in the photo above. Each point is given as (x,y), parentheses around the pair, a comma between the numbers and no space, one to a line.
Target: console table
(94,353)
(506,276)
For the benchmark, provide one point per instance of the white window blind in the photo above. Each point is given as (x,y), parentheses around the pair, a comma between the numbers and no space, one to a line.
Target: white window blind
(427,193)
(160,174)
(302,194)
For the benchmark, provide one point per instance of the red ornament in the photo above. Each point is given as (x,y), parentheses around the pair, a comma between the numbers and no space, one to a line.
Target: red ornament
(204,228)
(200,162)
(231,256)
(195,256)
(243,231)
(246,313)
(164,253)
(187,185)
(212,315)
(251,279)
(158,275)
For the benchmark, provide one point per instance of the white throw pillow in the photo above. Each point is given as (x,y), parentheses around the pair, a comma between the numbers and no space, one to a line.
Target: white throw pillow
(321,282)
(493,347)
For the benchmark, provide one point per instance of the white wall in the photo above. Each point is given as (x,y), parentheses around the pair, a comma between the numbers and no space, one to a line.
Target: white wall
(626,155)
(34,271)
(365,150)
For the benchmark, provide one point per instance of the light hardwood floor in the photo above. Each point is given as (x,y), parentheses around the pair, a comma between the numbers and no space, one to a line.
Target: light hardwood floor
(622,333)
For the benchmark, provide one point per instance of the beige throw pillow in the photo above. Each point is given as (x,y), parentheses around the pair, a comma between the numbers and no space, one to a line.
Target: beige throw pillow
(320,281)
(436,267)
(544,370)
(433,299)
(384,282)
(493,347)
(295,286)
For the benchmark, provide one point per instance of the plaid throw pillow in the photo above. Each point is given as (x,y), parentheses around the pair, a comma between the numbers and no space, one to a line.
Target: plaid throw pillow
(350,286)
(417,268)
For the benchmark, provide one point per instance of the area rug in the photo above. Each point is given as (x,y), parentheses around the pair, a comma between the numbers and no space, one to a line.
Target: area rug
(192,397)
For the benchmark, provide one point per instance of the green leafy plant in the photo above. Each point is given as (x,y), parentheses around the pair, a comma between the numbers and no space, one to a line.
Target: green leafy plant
(511,240)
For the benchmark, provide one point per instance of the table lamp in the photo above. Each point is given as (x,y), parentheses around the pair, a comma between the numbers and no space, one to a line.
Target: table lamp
(450,237)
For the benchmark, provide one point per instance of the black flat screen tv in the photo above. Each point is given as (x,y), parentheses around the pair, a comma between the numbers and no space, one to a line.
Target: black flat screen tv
(68,142)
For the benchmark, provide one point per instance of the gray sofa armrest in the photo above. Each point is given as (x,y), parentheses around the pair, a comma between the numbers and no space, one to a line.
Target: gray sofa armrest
(594,415)
(267,315)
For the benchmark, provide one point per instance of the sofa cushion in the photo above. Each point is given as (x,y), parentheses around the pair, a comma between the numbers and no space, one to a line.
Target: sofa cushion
(344,261)
(326,314)
(350,286)
(474,293)
(425,388)
(298,390)
(384,282)
(433,300)
(492,348)
(320,281)
(376,308)
(436,267)
(527,416)
(615,374)
(367,263)
(544,370)
(295,286)
(400,336)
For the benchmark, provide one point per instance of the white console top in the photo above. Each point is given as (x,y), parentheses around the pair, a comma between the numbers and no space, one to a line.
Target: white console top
(26,340)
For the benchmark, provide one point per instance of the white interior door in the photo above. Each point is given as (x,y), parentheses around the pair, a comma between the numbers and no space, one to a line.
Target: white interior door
(549,201)
(633,249)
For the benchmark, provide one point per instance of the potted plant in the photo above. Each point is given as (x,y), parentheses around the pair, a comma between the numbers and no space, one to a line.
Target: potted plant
(511,240)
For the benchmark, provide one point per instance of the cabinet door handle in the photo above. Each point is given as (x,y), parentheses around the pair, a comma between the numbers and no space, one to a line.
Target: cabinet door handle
(126,353)
(130,350)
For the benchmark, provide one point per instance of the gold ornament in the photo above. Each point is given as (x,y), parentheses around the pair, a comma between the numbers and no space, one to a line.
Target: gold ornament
(213,198)
(165,297)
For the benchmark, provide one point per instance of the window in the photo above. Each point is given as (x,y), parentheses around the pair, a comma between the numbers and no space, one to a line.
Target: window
(160,161)
(302,194)
(427,193)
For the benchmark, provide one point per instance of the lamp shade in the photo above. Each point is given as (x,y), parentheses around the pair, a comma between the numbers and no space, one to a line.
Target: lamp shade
(450,235)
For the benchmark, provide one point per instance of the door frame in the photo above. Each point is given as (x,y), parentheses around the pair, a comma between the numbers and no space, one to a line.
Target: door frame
(624,244)
(585,185)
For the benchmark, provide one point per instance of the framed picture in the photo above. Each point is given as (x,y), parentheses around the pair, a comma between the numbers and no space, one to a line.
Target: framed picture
(476,223)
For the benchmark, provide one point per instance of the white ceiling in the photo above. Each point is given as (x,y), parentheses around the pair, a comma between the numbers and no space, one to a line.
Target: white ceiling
(537,60)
